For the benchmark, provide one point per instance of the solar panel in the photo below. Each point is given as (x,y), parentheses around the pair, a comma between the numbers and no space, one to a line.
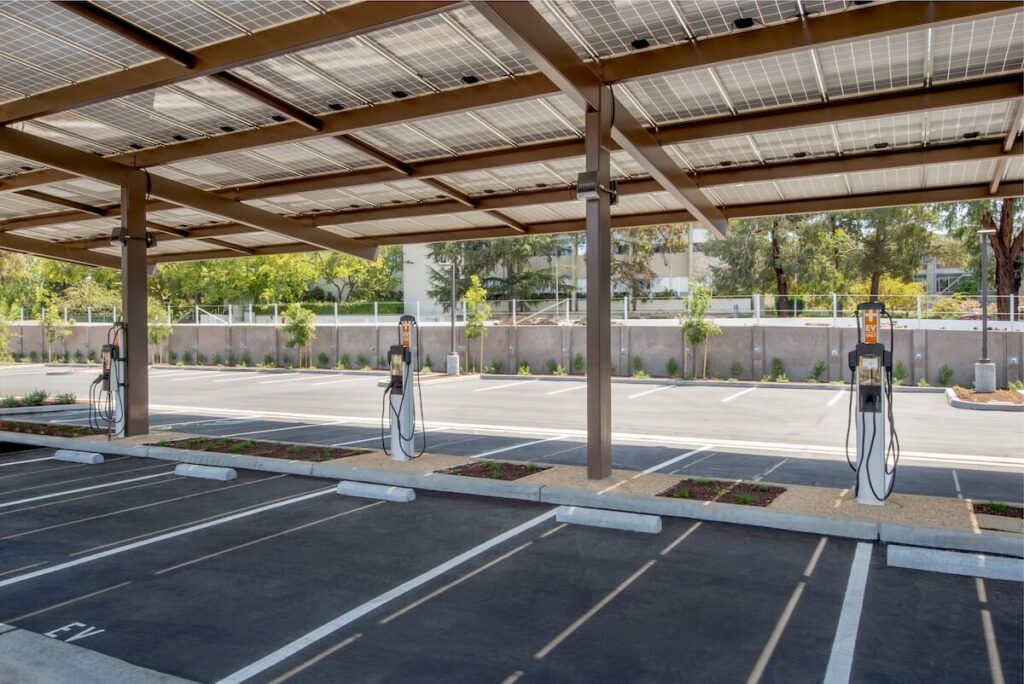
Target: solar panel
(812,141)
(960,173)
(891,61)
(951,125)
(977,48)
(770,82)
(815,186)
(674,97)
(885,181)
(184,24)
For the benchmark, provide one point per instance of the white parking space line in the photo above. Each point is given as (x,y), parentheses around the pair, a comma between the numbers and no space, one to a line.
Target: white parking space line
(517,446)
(31,460)
(674,460)
(8,504)
(193,376)
(838,395)
(343,380)
(287,377)
(738,394)
(240,419)
(246,376)
(163,537)
(282,429)
(840,661)
(517,383)
(358,441)
(373,604)
(567,389)
(164,374)
(650,391)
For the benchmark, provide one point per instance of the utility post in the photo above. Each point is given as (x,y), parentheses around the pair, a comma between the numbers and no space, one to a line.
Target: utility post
(452,362)
(984,369)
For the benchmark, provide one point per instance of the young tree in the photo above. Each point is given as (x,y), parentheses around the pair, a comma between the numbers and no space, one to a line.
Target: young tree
(695,323)
(56,328)
(157,327)
(478,312)
(300,324)
(5,342)
(359,279)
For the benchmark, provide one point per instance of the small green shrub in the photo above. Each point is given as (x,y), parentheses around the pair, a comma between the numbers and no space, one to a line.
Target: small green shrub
(33,356)
(10,401)
(736,370)
(781,377)
(172,358)
(382,362)
(578,363)
(65,398)
(496,367)
(268,361)
(362,362)
(323,360)
(246,360)
(79,356)
(559,371)
(428,363)
(218,360)
(923,383)
(297,449)
(524,369)
(346,362)
(66,357)
(997,507)
(552,365)
(186,357)
(35,398)
(945,375)
(899,374)
(778,368)
(817,371)
(672,368)
(638,365)
(1016,385)
(682,494)
(91,356)
(766,378)
(744,499)
(494,469)
(201,358)
(286,361)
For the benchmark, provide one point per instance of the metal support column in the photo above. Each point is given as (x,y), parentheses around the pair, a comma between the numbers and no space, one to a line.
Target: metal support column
(135,342)
(599,326)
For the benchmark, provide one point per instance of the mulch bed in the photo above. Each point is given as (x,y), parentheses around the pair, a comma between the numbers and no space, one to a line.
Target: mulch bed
(251,447)
(744,493)
(1000,395)
(48,429)
(1003,510)
(495,470)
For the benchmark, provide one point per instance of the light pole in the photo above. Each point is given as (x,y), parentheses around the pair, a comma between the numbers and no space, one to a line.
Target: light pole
(984,369)
(453,355)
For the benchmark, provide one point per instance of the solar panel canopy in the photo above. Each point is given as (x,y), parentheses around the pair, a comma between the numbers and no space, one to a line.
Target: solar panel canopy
(391,123)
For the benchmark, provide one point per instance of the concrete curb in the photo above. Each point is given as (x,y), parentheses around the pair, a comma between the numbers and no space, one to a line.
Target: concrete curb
(218,473)
(52,408)
(87,457)
(613,520)
(625,380)
(994,543)
(955,563)
(372,491)
(957,402)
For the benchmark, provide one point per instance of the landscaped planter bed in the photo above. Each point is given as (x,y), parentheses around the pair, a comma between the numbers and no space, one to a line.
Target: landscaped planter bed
(250,447)
(1000,395)
(1000,509)
(743,493)
(48,429)
(495,470)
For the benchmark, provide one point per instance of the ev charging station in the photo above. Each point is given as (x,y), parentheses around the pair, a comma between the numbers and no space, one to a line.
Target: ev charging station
(400,393)
(871,380)
(107,391)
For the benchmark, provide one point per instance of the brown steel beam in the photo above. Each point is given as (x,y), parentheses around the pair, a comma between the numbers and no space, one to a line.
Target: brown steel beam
(525,28)
(78,207)
(276,103)
(393,163)
(333,25)
(809,206)
(126,29)
(1008,144)
(74,161)
(134,306)
(61,252)
(974,151)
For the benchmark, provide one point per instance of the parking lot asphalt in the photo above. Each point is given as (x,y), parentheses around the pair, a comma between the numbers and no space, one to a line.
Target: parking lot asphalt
(273,578)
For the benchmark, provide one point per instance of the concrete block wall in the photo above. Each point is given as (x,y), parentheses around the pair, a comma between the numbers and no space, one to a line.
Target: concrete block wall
(924,352)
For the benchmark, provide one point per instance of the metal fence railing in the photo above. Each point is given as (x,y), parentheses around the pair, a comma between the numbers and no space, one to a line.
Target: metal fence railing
(571,310)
